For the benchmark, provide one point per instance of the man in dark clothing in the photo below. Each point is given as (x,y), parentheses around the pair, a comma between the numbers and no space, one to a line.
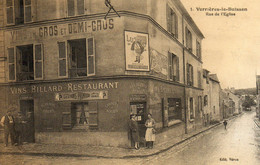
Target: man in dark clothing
(7,122)
(225,124)
(19,128)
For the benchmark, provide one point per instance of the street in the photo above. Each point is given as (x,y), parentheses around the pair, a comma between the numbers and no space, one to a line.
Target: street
(239,144)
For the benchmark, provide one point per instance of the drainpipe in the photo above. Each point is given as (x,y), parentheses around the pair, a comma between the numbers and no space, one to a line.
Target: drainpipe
(184,78)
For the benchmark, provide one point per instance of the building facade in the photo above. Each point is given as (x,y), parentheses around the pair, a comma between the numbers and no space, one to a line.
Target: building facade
(80,75)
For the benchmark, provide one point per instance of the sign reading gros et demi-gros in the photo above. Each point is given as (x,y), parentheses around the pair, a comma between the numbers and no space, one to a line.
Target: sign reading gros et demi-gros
(62,29)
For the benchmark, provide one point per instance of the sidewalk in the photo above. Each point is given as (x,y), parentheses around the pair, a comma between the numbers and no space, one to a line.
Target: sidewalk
(36,149)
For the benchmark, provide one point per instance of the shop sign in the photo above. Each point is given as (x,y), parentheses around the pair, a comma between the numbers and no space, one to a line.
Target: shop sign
(138,97)
(76,96)
(137,51)
(62,30)
(66,96)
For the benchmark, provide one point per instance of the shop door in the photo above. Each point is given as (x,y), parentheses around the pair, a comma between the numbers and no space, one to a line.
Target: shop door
(27,108)
(139,109)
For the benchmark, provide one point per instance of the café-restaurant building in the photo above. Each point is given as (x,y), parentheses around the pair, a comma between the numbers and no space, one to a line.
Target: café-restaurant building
(81,76)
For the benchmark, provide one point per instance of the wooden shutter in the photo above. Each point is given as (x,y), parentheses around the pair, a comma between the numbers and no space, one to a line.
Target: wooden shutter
(66,120)
(176,25)
(170,73)
(71,7)
(63,65)
(93,115)
(10,16)
(38,61)
(27,11)
(80,7)
(192,78)
(188,73)
(177,69)
(90,56)
(11,64)
(168,18)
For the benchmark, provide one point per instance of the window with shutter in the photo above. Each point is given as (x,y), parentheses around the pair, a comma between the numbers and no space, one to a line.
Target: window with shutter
(27,11)
(11,64)
(177,69)
(172,21)
(76,7)
(63,69)
(192,78)
(170,71)
(188,73)
(91,56)
(168,17)
(38,62)
(10,12)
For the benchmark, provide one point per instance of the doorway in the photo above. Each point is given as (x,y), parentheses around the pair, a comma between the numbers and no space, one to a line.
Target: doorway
(27,109)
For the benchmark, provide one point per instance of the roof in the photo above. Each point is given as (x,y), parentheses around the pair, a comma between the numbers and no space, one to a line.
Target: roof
(214,77)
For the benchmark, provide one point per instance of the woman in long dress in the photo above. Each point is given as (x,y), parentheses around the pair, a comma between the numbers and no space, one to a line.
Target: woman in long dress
(133,126)
(150,131)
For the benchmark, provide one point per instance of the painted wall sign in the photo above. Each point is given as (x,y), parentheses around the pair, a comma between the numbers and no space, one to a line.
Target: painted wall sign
(137,51)
(62,30)
(74,96)
(67,87)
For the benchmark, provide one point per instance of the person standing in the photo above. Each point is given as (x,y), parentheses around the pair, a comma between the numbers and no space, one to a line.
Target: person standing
(19,128)
(150,131)
(7,122)
(225,124)
(134,131)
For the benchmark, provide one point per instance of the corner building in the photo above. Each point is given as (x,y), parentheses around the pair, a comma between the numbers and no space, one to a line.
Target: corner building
(81,76)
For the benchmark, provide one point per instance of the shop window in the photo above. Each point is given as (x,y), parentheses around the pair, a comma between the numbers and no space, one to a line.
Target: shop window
(188,39)
(190,78)
(25,62)
(174,109)
(76,7)
(192,114)
(173,65)
(198,49)
(78,59)
(83,116)
(172,21)
(18,11)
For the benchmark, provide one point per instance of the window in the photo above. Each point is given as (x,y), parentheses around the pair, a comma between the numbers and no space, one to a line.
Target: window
(18,11)
(188,39)
(190,80)
(199,104)
(198,49)
(173,67)
(76,7)
(192,114)
(78,59)
(199,79)
(174,109)
(25,62)
(205,100)
(84,116)
(172,22)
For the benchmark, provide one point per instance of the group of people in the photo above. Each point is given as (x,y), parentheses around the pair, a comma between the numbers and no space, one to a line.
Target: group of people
(13,127)
(149,134)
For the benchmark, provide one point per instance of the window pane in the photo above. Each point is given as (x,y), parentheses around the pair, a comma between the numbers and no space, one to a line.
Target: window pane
(10,16)
(90,46)
(11,72)
(27,2)
(62,67)
(9,3)
(38,50)
(28,14)
(38,69)
(62,50)
(71,10)
(90,64)
(11,55)
(80,5)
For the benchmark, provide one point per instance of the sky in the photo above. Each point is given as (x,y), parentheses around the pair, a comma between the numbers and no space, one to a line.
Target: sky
(231,47)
